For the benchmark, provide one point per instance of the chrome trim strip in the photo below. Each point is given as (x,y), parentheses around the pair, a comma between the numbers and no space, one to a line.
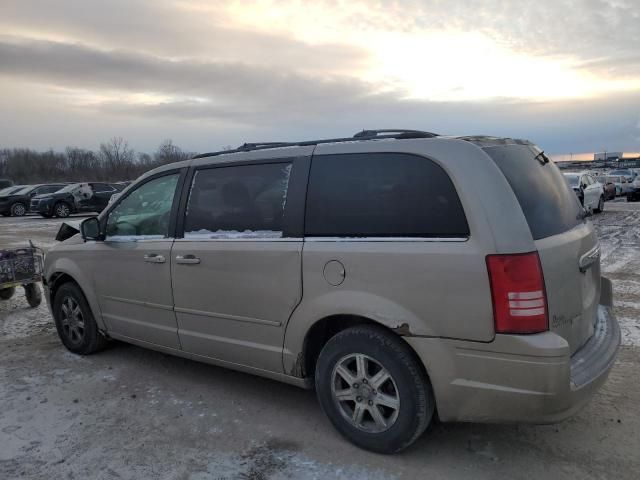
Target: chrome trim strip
(137,302)
(225,316)
(385,239)
(589,258)
(241,239)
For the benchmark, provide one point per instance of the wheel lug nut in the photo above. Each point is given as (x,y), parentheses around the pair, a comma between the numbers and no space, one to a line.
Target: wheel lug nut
(370,402)
(374,392)
(355,385)
(358,399)
(364,381)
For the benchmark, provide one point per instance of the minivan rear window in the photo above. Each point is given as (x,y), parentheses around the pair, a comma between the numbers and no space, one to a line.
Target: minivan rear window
(548,204)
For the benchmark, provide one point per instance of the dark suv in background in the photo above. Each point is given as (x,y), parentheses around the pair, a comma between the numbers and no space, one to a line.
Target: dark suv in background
(16,203)
(74,198)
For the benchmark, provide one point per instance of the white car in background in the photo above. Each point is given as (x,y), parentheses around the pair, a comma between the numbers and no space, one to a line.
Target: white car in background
(589,191)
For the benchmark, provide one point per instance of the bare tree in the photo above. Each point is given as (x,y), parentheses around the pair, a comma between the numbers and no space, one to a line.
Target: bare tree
(114,160)
(168,153)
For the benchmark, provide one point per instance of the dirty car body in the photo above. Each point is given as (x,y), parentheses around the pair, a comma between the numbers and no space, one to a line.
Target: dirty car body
(465,261)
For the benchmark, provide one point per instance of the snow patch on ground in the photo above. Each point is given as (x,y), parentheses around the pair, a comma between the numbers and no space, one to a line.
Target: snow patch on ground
(630,330)
(18,320)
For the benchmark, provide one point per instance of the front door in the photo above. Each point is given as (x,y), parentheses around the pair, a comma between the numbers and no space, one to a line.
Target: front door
(132,271)
(236,274)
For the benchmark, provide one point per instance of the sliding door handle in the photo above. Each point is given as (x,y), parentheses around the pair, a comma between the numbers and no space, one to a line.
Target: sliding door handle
(154,258)
(187,259)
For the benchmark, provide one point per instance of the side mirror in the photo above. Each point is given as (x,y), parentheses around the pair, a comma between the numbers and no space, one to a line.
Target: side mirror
(90,229)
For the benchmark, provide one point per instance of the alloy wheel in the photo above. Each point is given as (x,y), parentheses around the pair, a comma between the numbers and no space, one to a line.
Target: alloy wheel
(72,320)
(365,393)
(19,210)
(62,210)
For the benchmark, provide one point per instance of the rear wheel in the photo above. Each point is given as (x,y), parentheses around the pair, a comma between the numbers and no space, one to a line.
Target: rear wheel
(18,209)
(62,210)
(373,389)
(75,324)
(600,207)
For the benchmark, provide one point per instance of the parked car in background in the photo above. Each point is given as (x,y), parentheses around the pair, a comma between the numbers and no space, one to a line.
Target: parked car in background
(608,186)
(589,192)
(618,181)
(9,190)
(627,173)
(633,194)
(487,305)
(17,203)
(74,198)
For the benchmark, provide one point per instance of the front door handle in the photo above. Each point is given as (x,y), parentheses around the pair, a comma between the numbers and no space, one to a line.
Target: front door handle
(187,259)
(154,258)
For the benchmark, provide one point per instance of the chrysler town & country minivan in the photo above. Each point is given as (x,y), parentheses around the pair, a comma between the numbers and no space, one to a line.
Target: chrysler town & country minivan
(401,274)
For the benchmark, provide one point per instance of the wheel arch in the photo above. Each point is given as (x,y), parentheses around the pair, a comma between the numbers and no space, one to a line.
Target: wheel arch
(64,274)
(323,329)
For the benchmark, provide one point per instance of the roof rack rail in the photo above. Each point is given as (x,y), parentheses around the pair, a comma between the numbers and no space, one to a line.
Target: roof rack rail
(363,135)
(399,133)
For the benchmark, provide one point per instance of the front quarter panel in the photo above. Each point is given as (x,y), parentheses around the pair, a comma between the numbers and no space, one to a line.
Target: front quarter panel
(73,257)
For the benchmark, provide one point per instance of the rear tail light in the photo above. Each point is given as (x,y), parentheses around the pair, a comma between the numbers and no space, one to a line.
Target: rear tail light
(518,293)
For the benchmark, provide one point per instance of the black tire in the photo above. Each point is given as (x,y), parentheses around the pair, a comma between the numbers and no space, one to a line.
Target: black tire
(600,207)
(62,210)
(7,293)
(33,294)
(18,209)
(90,340)
(408,383)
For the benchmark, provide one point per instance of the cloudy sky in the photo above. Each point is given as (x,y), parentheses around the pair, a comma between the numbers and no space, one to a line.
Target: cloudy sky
(563,73)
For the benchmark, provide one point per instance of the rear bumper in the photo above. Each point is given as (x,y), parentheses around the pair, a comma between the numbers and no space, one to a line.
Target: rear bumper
(518,379)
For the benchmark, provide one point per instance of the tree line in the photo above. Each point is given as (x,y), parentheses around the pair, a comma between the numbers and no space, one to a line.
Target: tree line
(114,160)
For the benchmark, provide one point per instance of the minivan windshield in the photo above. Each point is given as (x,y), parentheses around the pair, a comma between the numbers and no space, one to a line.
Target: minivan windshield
(549,206)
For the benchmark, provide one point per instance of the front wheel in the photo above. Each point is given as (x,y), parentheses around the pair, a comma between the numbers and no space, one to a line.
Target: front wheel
(74,321)
(62,210)
(600,206)
(373,389)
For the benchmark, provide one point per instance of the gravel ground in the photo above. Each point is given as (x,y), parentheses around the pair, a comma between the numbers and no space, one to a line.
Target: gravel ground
(132,413)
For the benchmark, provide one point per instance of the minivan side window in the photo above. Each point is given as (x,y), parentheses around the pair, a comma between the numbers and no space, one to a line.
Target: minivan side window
(382,195)
(238,201)
(145,212)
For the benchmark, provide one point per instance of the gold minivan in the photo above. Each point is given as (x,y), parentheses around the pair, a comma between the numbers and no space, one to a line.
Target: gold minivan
(401,274)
